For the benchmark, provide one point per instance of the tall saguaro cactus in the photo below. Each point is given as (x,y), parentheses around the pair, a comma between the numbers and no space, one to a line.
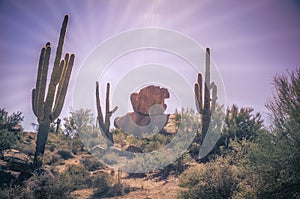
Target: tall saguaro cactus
(48,109)
(205,105)
(104,122)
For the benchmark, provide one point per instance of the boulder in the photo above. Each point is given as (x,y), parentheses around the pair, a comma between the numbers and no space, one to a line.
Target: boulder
(15,166)
(15,160)
(141,126)
(148,116)
(147,97)
(172,125)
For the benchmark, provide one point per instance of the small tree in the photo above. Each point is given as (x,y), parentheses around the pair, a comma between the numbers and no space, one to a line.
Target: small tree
(9,121)
(240,124)
(79,121)
(282,179)
(7,139)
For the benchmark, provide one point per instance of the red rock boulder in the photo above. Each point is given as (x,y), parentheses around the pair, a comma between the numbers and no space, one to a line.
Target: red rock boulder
(147,97)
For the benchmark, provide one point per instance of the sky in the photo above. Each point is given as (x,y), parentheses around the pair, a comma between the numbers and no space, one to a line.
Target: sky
(250,41)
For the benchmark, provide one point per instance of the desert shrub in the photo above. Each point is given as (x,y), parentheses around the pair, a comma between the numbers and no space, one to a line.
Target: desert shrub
(119,137)
(76,145)
(102,182)
(50,184)
(194,148)
(51,148)
(155,142)
(52,159)
(240,124)
(28,149)
(105,187)
(117,190)
(281,154)
(92,164)
(211,181)
(12,192)
(65,154)
(46,184)
(229,177)
(76,176)
(7,139)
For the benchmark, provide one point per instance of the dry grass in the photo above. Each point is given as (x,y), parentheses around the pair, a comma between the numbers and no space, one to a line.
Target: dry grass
(140,188)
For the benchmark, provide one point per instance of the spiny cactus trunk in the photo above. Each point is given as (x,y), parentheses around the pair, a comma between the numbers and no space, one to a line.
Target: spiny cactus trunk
(206,115)
(41,142)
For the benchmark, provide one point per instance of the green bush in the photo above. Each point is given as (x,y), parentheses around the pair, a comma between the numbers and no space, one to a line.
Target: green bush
(212,181)
(28,149)
(280,156)
(76,145)
(218,179)
(102,182)
(65,154)
(12,192)
(92,164)
(10,121)
(105,187)
(47,187)
(52,159)
(77,177)
(7,139)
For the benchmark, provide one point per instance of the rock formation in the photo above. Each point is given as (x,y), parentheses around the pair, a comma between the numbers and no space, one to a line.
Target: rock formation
(148,116)
(172,124)
(15,166)
(147,97)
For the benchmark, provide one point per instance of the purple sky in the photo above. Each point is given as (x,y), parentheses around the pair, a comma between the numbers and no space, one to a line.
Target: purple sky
(251,41)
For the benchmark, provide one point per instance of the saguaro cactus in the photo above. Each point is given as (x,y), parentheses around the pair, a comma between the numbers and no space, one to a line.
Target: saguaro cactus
(104,122)
(208,107)
(47,110)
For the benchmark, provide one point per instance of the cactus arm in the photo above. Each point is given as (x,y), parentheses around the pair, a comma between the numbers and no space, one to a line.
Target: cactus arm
(200,90)
(207,67)
(107,99)
(42,89)
(37,99)
(98,103)
(60,94)
(56,76)
(33,103)
(108,114)
(40,68)
(63,86)
(198,93)
(57,69)
(197,99)
(114,109)
(214,97)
